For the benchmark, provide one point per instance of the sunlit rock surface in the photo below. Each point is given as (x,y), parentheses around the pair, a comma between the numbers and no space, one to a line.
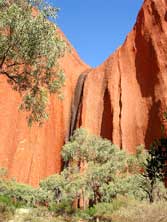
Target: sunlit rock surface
(125,97)
(122,100)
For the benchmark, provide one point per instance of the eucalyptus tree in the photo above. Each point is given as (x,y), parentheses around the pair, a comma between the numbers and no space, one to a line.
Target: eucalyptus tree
(93,163)
(30,49)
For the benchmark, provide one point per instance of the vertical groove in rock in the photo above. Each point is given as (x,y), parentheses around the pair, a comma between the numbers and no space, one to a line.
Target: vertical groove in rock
(120,100)
(76,103)
(107,117)
(30,167)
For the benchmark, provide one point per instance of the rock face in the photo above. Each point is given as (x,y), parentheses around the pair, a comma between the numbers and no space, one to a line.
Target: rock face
(122,100)
(125,97)
(31,154)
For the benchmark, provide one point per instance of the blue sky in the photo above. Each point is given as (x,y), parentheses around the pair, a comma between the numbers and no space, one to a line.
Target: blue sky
(96,27)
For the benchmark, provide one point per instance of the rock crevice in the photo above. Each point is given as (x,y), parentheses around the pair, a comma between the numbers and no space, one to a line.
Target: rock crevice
(76,104)
(120,101)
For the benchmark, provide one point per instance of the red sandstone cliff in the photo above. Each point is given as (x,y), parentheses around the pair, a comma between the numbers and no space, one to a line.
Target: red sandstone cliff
(125,97)
(34,153)
(122,100)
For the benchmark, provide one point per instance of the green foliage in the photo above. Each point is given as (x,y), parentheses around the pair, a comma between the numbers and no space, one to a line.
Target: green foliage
(99,179)
(55,185)
(154,164)
(6,204)
(6,211)
(62,208)
(97,171)
(85,147)
(21,194)
(46,9)
(107,171)
(154,170)
(87,215)
(102,161)
(30,47)
(102,211)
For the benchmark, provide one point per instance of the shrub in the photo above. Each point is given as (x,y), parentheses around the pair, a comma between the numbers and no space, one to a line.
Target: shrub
(154,169)
(22,195)
(6,209)
(100,162)
(61,208)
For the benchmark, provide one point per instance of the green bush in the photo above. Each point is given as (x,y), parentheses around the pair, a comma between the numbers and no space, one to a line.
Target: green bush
(102,211)
(99,177)
(107,172)
(87,214)
(20,195)
(63,207)
(101,161)
(6,209)
(6,200)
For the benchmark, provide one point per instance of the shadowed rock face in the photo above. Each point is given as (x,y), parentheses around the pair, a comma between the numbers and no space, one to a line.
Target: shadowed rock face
(122,100)
(76,105)
(107,117)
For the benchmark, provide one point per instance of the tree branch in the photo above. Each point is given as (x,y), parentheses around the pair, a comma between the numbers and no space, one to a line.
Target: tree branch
(12,77)
(15,64)
(4,57)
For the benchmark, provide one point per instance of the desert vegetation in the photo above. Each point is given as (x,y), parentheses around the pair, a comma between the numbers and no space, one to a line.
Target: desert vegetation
(99,182)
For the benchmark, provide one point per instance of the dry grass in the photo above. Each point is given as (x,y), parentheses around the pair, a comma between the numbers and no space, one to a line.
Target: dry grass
(142,212)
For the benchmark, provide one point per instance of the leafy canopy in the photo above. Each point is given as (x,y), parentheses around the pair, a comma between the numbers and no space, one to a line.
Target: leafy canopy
(97,171)
(92,164)
(30,48)
(154,169)
(97,175)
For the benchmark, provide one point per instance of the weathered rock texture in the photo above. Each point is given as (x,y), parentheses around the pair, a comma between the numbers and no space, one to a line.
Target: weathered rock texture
(125,97)
(34,153)
(122,100)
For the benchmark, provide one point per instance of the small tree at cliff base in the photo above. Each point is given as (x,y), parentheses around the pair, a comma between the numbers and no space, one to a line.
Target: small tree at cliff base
(154,168)
(30,48)
(97,171)
(99,178)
